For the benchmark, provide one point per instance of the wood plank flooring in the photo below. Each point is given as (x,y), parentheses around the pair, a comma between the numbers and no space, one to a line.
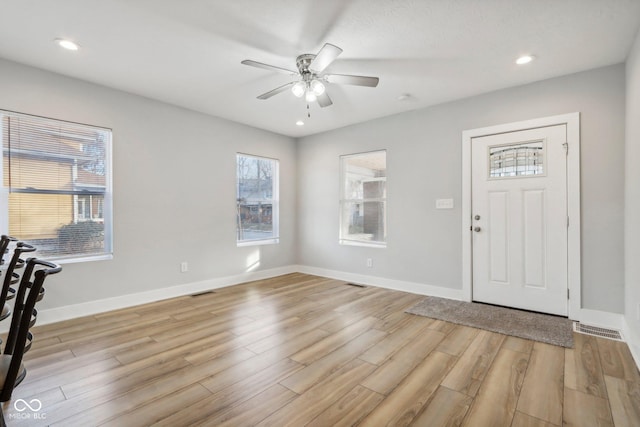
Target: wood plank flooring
(301,350)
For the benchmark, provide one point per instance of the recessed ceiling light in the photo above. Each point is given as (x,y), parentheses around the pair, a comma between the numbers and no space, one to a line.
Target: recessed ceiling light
(300,123)
(525,59)
(67,44)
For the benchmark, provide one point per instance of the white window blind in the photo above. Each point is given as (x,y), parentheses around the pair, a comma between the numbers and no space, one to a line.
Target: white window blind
(56,191)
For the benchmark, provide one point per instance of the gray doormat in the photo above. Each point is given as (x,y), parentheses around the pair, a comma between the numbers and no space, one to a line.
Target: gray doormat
(524,324)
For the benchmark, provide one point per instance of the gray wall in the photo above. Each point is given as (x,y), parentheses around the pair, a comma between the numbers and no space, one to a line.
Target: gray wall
(174,187)
(632,211)
(174,192)
(424,163)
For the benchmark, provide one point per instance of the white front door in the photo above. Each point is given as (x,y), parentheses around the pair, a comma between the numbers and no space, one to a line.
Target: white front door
(519,219)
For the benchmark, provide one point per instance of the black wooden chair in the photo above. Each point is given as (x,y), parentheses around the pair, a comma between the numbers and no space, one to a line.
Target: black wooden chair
(11,277)
(4,245)
(19,339)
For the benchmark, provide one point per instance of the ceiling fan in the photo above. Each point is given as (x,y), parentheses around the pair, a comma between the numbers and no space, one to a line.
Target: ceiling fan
(311,81)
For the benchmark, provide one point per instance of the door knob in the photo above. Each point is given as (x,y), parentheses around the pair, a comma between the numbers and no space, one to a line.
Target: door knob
(477,217)
(477,229)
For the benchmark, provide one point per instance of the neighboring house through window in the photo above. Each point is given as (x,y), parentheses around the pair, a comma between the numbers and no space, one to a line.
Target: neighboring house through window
(256,200)
(56,191)
(363,203)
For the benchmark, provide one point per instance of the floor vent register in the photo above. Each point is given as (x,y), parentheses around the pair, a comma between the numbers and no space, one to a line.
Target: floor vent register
(597,331)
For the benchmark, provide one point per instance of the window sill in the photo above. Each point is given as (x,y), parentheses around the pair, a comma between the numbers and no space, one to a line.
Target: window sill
(103,257)
(258,242)
(364,244)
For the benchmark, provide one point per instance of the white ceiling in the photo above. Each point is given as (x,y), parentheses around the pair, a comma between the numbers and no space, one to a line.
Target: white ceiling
(188,53)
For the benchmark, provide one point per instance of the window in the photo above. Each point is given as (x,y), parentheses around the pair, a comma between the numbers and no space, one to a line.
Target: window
(56,192)
(516,160)
(256,200)
(363,204)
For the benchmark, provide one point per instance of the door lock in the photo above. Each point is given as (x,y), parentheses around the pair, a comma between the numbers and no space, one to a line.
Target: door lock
(477,217)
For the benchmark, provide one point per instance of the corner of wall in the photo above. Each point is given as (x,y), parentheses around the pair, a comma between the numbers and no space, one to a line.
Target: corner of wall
(632,200)
(633,342)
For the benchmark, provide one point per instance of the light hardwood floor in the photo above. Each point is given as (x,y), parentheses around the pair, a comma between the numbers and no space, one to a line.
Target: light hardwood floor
(304,350)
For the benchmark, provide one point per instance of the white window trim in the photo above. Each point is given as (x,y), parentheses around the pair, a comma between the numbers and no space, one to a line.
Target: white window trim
(107,203)
(275,205)
(352,242)
(348,242)
(258,242)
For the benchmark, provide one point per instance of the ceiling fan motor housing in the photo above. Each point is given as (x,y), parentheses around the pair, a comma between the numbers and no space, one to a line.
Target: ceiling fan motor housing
(303,62)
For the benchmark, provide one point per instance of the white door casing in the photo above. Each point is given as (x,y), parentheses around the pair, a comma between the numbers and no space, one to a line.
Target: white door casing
(519,221)
(572,123)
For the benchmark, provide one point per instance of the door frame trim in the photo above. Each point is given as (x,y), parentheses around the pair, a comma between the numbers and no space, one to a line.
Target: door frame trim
(572,121)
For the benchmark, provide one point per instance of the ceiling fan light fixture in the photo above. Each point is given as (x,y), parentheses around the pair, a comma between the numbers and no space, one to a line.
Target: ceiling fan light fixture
(317,87)
(311,80)
(298,89)
(310,96)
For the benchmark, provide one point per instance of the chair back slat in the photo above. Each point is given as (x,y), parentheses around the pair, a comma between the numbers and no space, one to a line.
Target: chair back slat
(4,245)
(10,276)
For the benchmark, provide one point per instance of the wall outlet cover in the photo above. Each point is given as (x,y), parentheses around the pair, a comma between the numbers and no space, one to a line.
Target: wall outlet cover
(444,203)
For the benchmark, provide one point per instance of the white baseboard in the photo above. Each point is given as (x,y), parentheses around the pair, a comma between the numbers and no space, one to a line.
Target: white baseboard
(398,285)
(633,341)
(67,312)
(602,319)
(613,321)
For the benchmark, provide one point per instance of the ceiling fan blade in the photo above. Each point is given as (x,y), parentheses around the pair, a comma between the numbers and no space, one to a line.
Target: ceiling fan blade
(276,91)
(267,66)
(324,100)
(326,56)
(344,79)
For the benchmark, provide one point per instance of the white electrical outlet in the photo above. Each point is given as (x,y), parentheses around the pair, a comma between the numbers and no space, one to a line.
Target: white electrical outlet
(369,262)
(184,267)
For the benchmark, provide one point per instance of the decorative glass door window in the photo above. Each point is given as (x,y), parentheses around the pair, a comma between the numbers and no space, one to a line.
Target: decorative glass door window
(523,159)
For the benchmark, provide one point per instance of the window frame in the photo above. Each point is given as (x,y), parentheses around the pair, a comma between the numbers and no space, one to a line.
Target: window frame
(342,238)
(274,201)
(107,203)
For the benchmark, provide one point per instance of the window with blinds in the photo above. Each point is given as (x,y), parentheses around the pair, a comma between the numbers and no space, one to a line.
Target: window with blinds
(56,192)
